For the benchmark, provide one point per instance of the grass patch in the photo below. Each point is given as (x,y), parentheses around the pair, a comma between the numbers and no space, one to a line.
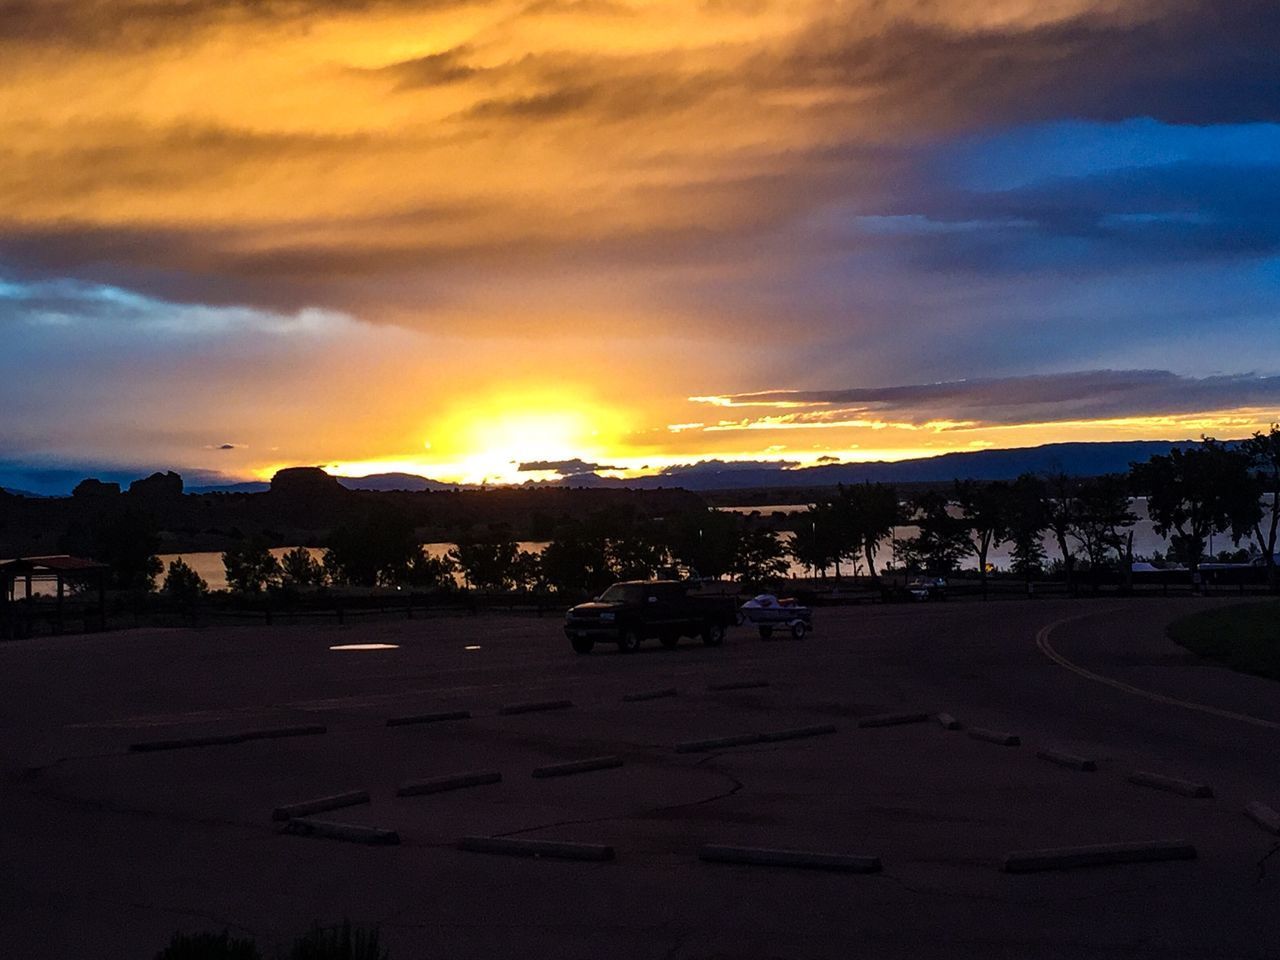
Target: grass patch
(1245,638)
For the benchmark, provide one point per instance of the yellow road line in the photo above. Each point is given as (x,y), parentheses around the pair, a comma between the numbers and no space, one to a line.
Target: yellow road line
(1042,641)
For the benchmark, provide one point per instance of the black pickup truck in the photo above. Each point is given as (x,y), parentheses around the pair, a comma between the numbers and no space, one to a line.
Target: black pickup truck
(633,611)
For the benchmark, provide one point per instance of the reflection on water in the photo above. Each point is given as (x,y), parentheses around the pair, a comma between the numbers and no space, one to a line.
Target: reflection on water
(768,509)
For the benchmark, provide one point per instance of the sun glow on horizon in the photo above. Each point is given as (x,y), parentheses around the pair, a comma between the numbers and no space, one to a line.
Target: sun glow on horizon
(555,435)
(488,441)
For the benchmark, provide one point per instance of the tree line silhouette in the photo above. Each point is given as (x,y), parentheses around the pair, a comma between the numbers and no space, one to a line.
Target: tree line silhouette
(1192,494)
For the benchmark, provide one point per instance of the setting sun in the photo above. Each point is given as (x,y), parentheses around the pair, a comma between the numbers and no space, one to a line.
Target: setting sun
(488,441)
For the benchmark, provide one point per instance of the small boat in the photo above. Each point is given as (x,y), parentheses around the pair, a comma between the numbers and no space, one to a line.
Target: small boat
(767,613)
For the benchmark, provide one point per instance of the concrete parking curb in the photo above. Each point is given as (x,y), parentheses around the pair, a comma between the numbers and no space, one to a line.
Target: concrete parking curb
(454,782)
(429,718)
(534,706)
(995,736)
(1067,760)
(797,733)
(351,832)
(275,733)
(320,805)
(1070,858)
(1264,817)
(577,766)
(650,695)
(1186,788)
(948,722)
(551,849)
(892,719)
(738,685)
(149,746)
(804,859)
(699,746)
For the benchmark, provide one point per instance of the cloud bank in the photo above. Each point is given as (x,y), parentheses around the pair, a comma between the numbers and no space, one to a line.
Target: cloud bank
(319,225)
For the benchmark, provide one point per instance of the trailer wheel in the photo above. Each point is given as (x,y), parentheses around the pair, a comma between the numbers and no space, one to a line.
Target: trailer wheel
(766,633)
(629,642)
(798,630)
(713,634)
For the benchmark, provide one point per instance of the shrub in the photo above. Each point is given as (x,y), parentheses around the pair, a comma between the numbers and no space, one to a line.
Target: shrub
(338,943)
(208,946)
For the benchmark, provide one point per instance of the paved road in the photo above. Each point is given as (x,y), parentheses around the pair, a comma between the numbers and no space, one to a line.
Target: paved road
(107,852)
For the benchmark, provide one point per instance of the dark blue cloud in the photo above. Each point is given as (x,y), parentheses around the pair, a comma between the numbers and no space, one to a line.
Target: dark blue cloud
(1113,196)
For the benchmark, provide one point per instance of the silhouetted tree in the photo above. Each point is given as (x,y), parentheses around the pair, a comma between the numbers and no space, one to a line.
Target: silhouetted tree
(1263,451)
(761,556)
(127,542)
(986,513)
(706,542)
(183,584)
(637,556)
(526,572)
(1101,519)
(300,568)
(1060,507)
(374,550)
(1026,518)
(576,563)
(250,567)
(942,540)
(427,572)
(872,511)
(815,543)
(487,565)
(1196,492)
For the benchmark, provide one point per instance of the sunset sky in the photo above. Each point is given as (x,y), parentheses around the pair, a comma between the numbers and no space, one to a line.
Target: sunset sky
(457,238)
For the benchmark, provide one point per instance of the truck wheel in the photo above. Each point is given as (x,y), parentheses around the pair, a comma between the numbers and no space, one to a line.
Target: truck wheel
(583,644)
(629,642)
(766,633)
(713,634)
(670,640)
(798,630)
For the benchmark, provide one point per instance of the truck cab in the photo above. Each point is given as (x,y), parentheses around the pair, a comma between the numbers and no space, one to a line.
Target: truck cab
(632,611)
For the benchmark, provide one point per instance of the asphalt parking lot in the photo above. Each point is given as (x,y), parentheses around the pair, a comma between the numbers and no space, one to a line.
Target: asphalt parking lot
(108,850)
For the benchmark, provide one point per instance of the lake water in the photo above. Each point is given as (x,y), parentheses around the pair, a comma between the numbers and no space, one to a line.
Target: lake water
(1145,542)
(209,564)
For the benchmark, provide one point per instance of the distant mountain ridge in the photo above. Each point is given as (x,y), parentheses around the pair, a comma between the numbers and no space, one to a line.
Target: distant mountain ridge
(380,482)
(20,493)
(1075,459)
(1084,458)
(411,482)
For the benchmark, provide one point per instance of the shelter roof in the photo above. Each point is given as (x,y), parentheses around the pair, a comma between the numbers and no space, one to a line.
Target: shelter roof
(61,563)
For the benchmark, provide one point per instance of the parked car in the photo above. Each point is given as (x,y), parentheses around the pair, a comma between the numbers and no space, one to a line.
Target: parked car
(767,612)
(927,588)
(632,611)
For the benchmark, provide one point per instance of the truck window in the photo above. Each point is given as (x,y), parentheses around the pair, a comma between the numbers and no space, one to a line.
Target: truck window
(623,593)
